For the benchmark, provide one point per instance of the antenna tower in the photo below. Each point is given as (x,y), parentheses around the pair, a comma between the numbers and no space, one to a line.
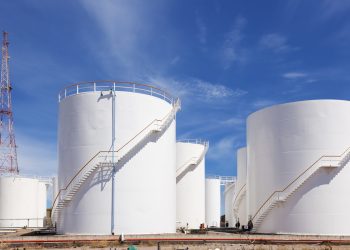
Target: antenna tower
(8,152)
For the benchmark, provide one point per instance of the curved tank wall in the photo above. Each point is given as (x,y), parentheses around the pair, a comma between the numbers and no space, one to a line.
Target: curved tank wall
(242,185)
(282,142)
(22,202)
(55,188)
(144,197)
(212,202)
(229,196)
(190,185)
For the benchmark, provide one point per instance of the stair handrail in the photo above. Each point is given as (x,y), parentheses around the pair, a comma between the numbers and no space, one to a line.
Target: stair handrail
(198,159)
(175,106)
(230,186)
(187,163)
(194,141)
(238,196)
(295,179)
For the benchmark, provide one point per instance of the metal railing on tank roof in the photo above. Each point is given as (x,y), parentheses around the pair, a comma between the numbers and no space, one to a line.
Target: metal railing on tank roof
(195,141)
(45,179)
(22,223)
(223,179)
(107,85)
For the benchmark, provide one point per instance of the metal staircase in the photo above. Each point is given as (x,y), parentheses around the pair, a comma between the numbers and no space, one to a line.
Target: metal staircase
(238,199)
(104,159)
(281,196)
(194,161)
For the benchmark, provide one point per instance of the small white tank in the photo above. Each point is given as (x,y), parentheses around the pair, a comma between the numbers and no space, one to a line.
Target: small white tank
(22,201)
(190,183)
(241,194)
(212,202)
(229,194)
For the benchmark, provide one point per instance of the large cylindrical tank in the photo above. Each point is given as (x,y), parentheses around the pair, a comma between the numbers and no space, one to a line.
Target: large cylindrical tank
(241,186)
(229,194)
(212,202)
(190,183)
(22,202)
(142,197)
(285,144)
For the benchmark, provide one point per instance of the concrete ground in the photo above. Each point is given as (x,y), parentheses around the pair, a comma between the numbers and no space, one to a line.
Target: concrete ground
(211,240)
(200,247)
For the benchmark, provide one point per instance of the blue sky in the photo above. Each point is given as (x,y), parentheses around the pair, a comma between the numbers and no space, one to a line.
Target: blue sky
(225,59)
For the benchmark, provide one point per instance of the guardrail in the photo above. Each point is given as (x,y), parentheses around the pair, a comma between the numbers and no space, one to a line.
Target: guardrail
(46,179)
(195,141)
(22,222)
(223,179)
(107,85)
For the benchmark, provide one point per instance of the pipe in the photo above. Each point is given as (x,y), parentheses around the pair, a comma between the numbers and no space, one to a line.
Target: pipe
(113,160)
(180,240)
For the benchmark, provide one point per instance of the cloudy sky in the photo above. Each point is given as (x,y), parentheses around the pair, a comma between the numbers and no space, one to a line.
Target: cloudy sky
(225,59)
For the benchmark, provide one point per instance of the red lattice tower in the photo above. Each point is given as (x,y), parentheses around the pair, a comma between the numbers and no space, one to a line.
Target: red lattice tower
(8,152)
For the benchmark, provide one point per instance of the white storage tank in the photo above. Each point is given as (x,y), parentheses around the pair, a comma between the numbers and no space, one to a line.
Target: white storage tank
(22,201)
(212,202)
(190,183)
(298,170)
(240,200)
(139,196)
(55,188)
(229,195)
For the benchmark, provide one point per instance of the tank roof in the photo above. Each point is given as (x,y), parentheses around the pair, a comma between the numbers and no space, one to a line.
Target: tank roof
(108,85)
(294,103)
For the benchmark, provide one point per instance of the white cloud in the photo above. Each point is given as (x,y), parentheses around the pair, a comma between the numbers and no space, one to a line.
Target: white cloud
(126,28)
(118,22)
(214,91)
(202,30)
(259,104)
(333,8)
(192,87)
(36,157)
(311,80)
(232,50)
(297,77)
(275,42)
(224,149)
(128,25)
(342,35)
(294,75)
(175,60)
(234,121)
(175,87)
